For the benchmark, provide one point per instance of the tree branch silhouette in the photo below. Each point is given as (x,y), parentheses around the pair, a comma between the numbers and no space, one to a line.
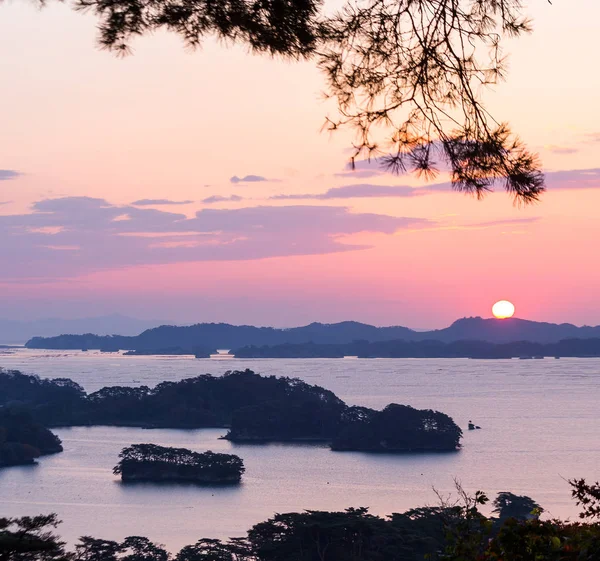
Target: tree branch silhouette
(407,75)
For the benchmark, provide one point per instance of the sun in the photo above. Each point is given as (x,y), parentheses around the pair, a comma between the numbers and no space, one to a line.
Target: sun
(503,309)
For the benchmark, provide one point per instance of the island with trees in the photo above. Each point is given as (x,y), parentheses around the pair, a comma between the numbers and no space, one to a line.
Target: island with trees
(398,428)
(253,408)
(150,462)
(432,348)
(21,439)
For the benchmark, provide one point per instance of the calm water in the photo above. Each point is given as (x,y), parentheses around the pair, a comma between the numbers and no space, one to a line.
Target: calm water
(539,417)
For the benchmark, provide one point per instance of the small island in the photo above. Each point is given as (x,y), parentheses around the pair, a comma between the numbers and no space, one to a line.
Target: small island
(150,462)
(22,440)
(397,428)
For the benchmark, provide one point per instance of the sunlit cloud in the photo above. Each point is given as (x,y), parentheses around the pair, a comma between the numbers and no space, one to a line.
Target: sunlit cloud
(71,236)
(554,149)
(159,202)
(367,190)
(222,199)
(506,221)
(251,179)
(574,179)
(6,174)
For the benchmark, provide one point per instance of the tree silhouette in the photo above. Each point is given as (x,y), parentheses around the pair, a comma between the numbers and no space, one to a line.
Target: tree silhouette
(31,537)
(521,507)
(407,74)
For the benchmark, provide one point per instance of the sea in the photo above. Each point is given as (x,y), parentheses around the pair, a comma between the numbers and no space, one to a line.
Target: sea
(539,419)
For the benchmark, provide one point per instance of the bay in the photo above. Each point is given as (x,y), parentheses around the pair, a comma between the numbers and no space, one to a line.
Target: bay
(539,419)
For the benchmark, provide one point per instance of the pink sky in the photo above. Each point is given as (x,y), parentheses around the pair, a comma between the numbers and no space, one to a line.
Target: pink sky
(89,134)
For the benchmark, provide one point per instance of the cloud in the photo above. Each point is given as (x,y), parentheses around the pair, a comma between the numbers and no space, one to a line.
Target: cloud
(555,180)
(368,190)
(154,202)
(249,179)
(70,236)
(363,169)
(573,179)
(221,199)
(504,222)
(560,149)
(6,174)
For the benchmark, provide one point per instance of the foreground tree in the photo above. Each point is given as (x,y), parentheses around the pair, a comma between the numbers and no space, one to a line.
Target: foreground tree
(406,74)
(31,537)
(509,505)
(454,531)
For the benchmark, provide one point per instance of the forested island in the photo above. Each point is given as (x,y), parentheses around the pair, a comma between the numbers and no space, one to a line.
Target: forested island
(21,439)
(150,462)
(451,531)
(362,348)
(253,408)
(580,348)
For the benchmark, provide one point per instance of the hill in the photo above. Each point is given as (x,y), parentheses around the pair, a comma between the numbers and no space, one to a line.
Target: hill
(17,332)
(211,336)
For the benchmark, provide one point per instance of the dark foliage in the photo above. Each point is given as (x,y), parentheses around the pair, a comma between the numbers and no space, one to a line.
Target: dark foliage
(138,548)
(212,550)
(94,549)
(509,505)
(451,532)
(21,439)
(150,462)
(30,538)
(587,496)
(279,27)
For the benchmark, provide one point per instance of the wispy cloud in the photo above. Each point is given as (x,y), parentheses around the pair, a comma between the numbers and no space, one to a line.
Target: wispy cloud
(222,199)
(74,235)
(6,174)
(573,179)
(159,202)
(368,190)
(363,169)
(555,149)
(505,222)
(250,179)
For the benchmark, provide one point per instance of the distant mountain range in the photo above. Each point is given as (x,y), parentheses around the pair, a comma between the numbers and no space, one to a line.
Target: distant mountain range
(204,337)
(17,332)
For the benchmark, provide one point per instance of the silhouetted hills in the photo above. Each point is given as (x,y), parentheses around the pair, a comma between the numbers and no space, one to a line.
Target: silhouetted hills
(17,332)
(513,329)
(211,336)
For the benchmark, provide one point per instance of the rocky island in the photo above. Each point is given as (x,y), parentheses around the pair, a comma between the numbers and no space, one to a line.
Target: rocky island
(150,462)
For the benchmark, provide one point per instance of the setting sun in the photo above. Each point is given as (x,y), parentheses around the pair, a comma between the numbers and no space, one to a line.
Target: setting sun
(503,309)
